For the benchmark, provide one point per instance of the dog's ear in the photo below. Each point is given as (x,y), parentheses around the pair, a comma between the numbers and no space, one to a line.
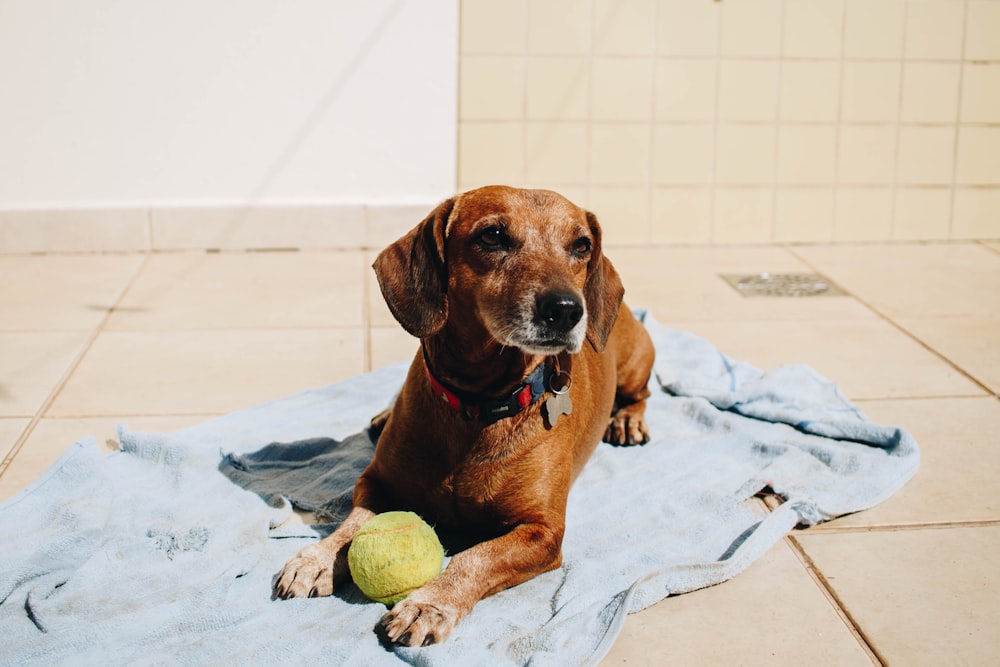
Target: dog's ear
(413,275)
(603,291)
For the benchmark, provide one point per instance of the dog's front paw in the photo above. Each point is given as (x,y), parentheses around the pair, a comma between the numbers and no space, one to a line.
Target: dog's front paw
(627,427)
(419,623)
(309,574)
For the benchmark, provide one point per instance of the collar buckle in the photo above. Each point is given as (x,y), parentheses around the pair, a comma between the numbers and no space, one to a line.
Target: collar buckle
(476,408)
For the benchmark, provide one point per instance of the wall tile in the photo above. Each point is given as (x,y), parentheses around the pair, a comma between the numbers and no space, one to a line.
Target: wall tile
(687,27)
(982,25)
(813,29)
(683,154)
(934,29)
(870,92)
(558,27)
(926,155)
(493,27)
(862,214)
(558,88)
(922,214)
(491,88)
(706,106)
(490,153)
(619,154)
(624,27)
(975,215)
(685,90)
(744,154)
(681,215)
(810,91)
(803,215)
(621,89)
(930,92)
(751,28)
(742,215)
(748,90)
(874,28)
(623,212)
(806,154)
(978,148)
(866,154)
(980,93)
(555,153)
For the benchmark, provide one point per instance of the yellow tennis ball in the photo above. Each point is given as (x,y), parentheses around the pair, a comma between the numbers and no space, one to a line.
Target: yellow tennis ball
(392,555)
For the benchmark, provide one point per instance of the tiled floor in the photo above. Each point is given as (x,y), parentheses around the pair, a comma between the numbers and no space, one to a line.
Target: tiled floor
(162,341)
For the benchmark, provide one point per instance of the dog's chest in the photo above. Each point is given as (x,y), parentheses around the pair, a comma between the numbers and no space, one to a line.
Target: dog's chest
(483,485)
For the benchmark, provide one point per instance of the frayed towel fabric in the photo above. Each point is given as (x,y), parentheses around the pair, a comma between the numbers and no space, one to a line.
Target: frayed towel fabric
(165,552)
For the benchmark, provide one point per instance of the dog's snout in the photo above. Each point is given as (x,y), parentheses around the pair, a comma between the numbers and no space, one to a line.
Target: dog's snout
(560,310)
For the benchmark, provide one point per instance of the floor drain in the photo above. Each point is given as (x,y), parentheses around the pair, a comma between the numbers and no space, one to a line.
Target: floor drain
(783,284)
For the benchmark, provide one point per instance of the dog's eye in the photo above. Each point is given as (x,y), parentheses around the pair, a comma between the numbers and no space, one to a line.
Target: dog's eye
(494,238)
(581,246)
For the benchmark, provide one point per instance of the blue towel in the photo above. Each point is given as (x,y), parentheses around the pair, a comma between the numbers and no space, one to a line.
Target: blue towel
(165,551)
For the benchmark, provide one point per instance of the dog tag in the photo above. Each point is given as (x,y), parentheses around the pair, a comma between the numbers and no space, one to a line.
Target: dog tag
(556,406)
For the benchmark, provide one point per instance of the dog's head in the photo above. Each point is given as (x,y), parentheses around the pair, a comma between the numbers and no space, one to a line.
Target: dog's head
(525,264)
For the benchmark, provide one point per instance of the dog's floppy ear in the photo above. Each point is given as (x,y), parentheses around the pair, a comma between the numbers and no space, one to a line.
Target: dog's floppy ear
(413,275)
(603,291)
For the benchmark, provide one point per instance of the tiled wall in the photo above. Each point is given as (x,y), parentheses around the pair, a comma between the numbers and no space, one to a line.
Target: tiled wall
(741,121)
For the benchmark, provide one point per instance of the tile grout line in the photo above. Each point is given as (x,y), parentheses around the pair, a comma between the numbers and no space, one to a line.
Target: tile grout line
(901,527)
(841,609)
(897,326)
(70,370)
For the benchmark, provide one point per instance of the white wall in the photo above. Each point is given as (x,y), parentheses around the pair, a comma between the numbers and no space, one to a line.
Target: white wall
(160,103)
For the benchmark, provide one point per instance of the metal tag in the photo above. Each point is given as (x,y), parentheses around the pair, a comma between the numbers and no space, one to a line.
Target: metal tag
(556,406)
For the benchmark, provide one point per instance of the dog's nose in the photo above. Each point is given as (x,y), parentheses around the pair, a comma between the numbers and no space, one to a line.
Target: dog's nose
(560,310)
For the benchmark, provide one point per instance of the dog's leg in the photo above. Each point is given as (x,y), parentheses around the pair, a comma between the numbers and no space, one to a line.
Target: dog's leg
(429,614)
(377,424)
(316,569)
(627,425)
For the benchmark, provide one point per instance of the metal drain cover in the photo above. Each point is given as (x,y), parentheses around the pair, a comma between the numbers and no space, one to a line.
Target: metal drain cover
(783,284)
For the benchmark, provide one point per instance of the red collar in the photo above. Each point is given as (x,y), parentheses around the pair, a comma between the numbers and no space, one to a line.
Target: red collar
(478,408)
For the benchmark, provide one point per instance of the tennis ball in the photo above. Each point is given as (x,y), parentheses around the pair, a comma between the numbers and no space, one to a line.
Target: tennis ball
(392,555)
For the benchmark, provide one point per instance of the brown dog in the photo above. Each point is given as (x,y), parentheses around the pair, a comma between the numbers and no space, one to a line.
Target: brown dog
(528,358)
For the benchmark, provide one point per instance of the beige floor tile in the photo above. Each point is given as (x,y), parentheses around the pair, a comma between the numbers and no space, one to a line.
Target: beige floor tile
(391,345)
(922,597)
(972,343)
(10,431)
(31,365)
(273,290)
(866,359)
(61,292)
(52,437)
(915,280)
(958,463)
(206,372)
(772,614)
(684,284)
